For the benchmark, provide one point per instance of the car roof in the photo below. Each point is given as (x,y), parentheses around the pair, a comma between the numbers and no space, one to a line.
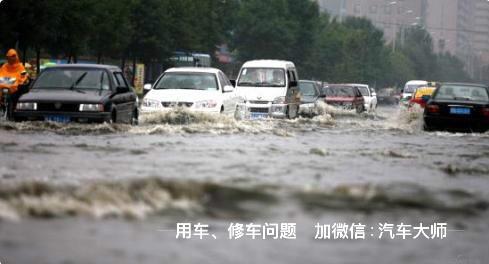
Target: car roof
(86,66)
(465,84)
(269,64)
(357,84)
(342,84)
(194,69)
(416,82)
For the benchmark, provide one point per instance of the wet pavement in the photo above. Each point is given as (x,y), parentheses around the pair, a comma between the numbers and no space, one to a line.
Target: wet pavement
(105,193)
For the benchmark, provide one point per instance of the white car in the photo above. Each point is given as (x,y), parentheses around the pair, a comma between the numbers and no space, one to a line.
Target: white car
(409,89)
(369,97)
(198,89)
(270,89)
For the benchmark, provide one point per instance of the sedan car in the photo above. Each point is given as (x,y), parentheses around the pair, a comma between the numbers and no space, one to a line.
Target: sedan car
(197,89)
(459,107)
(346,96)
(79,93)
(311,92)
(369,96)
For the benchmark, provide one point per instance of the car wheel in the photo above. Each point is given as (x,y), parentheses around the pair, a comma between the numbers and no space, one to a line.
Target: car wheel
(113,117)
(360,109)
(135,118)
(427,128)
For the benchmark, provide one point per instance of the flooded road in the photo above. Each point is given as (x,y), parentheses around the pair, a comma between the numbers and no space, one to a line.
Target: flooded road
(114,193)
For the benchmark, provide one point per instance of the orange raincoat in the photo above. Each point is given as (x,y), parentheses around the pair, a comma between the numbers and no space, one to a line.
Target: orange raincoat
(13,69)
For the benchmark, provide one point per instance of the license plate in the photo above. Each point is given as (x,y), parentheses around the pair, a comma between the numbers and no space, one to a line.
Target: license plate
(57,118)
(258,115)
(460,111)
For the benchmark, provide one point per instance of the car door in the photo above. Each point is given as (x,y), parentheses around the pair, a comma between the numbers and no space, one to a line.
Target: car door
(230,100)
(293,92)
(125,101)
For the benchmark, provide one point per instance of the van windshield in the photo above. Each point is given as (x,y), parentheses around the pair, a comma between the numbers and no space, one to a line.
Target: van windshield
(262,77)
(410,88)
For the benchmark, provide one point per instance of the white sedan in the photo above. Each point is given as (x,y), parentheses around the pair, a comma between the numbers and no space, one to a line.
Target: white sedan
(369,96)
(198,89)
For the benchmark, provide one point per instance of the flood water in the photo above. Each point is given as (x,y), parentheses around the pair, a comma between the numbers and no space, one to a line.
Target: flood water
(114,193)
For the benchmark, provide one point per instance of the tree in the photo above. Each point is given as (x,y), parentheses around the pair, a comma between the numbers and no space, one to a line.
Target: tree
(418,48)
(264,30)
(111,32)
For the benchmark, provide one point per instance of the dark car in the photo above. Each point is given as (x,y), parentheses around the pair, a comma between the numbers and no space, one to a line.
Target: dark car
(458,107)
(346,96)
(79,93)
(311,93)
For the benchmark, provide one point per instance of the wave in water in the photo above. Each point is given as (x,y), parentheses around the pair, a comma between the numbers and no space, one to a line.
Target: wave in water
(137,199)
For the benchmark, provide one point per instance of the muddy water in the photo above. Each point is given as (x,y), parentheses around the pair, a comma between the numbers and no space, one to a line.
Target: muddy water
(114,193)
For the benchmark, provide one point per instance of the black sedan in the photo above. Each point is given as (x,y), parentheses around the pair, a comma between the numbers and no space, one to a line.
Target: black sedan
(79,93)
(458,107)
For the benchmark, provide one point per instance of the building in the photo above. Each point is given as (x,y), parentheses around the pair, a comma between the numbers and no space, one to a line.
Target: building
(390,16)
(459,27)
(481,40)
(336,8)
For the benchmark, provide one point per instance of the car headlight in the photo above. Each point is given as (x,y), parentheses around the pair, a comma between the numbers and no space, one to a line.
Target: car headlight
(91,107)
(205,104)
(279,100)
(151,103)
(5,91)
(26,106)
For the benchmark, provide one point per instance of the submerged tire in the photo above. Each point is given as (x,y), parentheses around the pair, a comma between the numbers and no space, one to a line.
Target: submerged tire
(135,118)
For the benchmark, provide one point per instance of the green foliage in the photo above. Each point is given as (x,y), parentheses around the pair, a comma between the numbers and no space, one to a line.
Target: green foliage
(151,30)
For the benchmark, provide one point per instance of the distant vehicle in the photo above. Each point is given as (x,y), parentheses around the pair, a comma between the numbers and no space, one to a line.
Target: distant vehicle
(191,59)
(311,94)
(198,89)
(387,96)
(369,97)
(270,89)
(459,107)
(417,98)
(346,96)
(79,93)
(409,88)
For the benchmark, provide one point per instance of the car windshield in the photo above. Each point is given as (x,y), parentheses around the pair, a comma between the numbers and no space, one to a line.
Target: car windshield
(463,93)
(412,87)
(262,77)
(73,78)
(363,90)
(188,80)
(340,91)
(307,89)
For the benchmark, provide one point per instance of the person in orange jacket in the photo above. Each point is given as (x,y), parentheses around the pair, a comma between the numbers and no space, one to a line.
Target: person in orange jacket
(15,70)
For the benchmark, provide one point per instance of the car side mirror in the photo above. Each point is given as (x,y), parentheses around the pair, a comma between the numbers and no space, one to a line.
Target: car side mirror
(147,87)
(121,89)
(426,98)
(233,82)
(228,89)
(402,91)
(292,83)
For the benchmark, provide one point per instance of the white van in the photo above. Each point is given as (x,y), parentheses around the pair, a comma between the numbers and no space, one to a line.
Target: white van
(409,88)
(269,88)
